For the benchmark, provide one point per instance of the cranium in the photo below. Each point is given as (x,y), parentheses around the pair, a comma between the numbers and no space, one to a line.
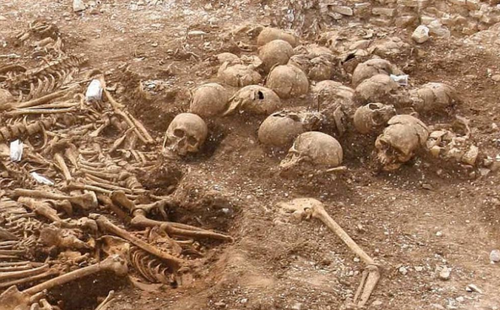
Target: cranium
(209,100)
(371,68)
(185,134)
(281,128)
(381,88)
(315,61)
(238,75)
(372,116)
(254,99)
(288,81)
(433,97)
(316,148)
(400,140)
(269,34)
(276,52)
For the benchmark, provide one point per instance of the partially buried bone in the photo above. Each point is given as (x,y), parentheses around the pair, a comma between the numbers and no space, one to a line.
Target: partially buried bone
(86,201)
(13,299)
(309,207)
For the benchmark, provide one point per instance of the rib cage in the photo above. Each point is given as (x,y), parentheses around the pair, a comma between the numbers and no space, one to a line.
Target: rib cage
(149,267)
(45,79)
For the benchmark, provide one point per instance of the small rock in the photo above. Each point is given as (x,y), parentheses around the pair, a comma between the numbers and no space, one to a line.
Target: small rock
(377,303)
(421,34)
(220,304)
(494,126)
(460,299)
(78,6)
(297,306)
(473,288)
(419,268)
(496,77)
(471,156)
(344,10)
(495,256)
(2,18)
(403,270)
(445,273)
(439,234)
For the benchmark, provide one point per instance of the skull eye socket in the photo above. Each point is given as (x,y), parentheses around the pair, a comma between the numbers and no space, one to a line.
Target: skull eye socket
(192,140)
(179,133)
(260,95)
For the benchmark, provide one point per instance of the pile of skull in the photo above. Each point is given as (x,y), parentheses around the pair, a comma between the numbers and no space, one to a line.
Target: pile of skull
(380,90)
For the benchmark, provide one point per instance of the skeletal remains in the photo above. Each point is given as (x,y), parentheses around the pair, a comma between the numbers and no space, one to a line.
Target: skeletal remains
(41,224)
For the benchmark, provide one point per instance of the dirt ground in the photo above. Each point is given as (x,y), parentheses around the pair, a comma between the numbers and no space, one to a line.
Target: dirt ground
(414,221)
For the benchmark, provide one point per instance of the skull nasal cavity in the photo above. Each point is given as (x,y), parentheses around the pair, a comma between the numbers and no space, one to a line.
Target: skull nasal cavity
(260,95)
(179,133)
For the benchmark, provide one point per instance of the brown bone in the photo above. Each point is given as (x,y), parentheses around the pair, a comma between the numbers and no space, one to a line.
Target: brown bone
(106,225)
(307,208)
(13,299)
(86,201)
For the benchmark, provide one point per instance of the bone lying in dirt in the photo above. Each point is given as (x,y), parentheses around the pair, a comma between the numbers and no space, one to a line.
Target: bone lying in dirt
(106,225)
(20,129)
(13,299)
(86,201)
(140,220)
(309,207)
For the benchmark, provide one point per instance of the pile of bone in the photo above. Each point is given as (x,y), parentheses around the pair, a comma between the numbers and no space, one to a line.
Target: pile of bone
(379,90)
(71,201)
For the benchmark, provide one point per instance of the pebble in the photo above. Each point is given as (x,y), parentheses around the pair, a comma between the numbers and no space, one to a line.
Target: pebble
(473,288)
(419,268)
(496,78)
(2,18)
(297,306)
(445,273)
(78,6)
(495,256)
(344,10)
(439,233)
(403,270)
(421,34)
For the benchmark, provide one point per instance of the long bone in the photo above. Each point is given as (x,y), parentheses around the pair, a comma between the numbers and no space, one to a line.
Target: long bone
(106,225)
(13,299)
(309,207)
(86,201)
(139,219)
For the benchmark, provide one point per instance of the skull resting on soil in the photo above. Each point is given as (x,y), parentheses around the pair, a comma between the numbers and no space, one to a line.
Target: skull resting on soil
(185,134)
(400,140)
(315,148)
(276,52)
(288,81)
(209,100)
(331,94)
(254,99)
(316,61)
(238,75)
(281,128)
(381,88)
(269,34)
(373,116)
(433,97)
(371,68)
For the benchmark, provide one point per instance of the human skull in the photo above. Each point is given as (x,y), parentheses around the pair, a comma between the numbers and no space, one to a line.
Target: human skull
(433,97)
(269,34)
(400,140)
(185,134)
(315,61)
(371,68)
(254,99)
(372,116)
(209,100)
(380,88)
(315,148)
(238,75)
(330,93)
(281,128)
(288,81)
(276,52)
